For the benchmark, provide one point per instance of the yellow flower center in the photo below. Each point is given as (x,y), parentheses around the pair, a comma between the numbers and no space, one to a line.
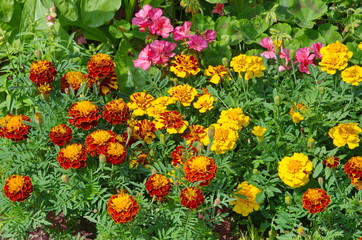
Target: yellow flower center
(159,181)
(116,149)
(330,160)
(15,184)
(85,107)
(98,58)
(314,195)
(15,123)
(191,194)
(72,151)
(75,79)
(200,163)
(294,166)
(121,203)
(60,129)
(101,137)
(39,66)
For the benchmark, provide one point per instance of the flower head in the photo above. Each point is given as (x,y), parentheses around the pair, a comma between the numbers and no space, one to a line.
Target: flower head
(268,44)
(116,112)
(158,185)
(294,171)
(258,131)
(122,207)
(353,169)
(296,112)
(197,43)
(100,66)
(60,135)
(209,35)
(42,72)
(335,57)
(345,133)
(181,154)
(192,197)
(97,141)
(331,161)
(200,168)
(184,66)
(219,9)
(115,153)
(18,188)
(84,115)
(140,102)
(316,47)
(182,32)
(145,17)
(217,74)
(72,79)
(224,138)
(246,204)
(161,27)
(72,156)
(352,75)
(183,93)
(234,118)
(144,130)
(304,58)
(204,103)
(315,200)
(159,105)
(172,121)
(13,128)
(284,54)
(194,133)
(252,66)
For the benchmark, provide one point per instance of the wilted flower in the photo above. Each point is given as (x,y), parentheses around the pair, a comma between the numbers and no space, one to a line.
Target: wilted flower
(184,66)
(315,200)
(84,115)
(13,128)
(345,133)
(116,112)
(158,185)
(60,135)
(246,204)
(200,168)
(18,188)
(191,197)
(352,75)
(122,207)
(72,156)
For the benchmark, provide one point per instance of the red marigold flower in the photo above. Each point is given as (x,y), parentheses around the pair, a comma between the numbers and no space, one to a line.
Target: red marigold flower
(116,112)
(353,169)
(192,197)
(122,207)
(18,188)
(97,141)
(181,154)
(158,185)
(108,84)
(42,72)
(100,66)
(13,128)
(315,200)
(84,115)
(72,79)
(72,156)
(60,135)
(172,121)
(194,133)
(331,161)
(200,168)
(116,153)
(144,130)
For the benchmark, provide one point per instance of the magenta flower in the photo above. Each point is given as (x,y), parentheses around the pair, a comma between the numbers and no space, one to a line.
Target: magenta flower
(161,27)
(145,17)
(285,54)
(219,9)
(268,44)
(316,47)
(197,43)
(182,32)
(144,59)
(304,58)
(210,35)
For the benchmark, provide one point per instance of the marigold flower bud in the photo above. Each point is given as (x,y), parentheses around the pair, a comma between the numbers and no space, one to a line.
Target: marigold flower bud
(255,171)
(200,147)
(211,132)
(288,200)
(321,181)
(95,210)
(225,62)
(162,139)
(153,171)
(38,118)
(311,144)
(65,178)
(301,231)
(217,201)
(321,90)
(37,54)
(102,158)
(277,100)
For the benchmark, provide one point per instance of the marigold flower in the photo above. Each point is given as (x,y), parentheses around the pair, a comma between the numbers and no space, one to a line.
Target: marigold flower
(60,135)
(258,131)
(140,102)
(84,115)
(353,169)
(294,171)
(97,142)
(181,154)
(115,153)
(296,112)
(72,79)
(139,158)
(194,133)
(42,72)
(204,103)
(335,57)
(44,89)
(100,66)
(252,66)
(144,130)
(345,133)
(184,66)
(218,73)
(18,188)
(13,128)
(159,105)
(360,45)
(108,84)
(72,156)
(245,205)
(122,207)
(331,161)
(224,138)
(192,197)
(158,185)
(172,121)
(183,93)
(234,118)
(315,200)
(352,75)
(116,112)
(200,168)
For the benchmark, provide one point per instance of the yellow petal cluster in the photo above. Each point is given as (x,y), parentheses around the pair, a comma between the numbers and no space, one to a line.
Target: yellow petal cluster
(352,75)
(345,133)
(140,102)
(234,118)
(245,205)
(335,57)
(296,112)
(204,103)
(252,66)
(183,93)
(217,74)
(224,138)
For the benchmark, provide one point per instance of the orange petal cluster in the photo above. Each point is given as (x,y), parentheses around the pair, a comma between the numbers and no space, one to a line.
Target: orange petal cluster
(42,72)
(60,135)
(13,128)
(194,133)
(200,168)
(315,200)
(72,79)
(97,142)
(181,154)
(84,115)
(331,161)
(100,66)
(116,112)
(122,207)
(172,121)
(18,188)
(158,185)
(353,169)
(116,153)
(144,130)
(192,197)
(72,156)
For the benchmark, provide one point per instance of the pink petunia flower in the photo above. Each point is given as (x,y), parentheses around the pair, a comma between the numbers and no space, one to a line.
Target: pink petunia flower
(197,43)
(316,47)
(146,16)
(219,9)
(182,32)
(304,58)
(268,44)
(210,35)
(285,54)
(161,27)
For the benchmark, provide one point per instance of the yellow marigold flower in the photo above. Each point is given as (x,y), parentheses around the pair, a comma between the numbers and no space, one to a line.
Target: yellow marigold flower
(224,138)
(144,130)
(217,73)
(184,66)
(296,110)
(140,102)
(352,75)
(245,205)
(172,121)
(183,93)
(234,118)
(251,65)
(204,103)
(345,133)
(258,131)
(294,171)
(360,45)
(159,105)
(335,57)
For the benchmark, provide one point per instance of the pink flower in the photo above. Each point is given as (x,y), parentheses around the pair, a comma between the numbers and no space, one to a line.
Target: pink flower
(316,47)
(210,35)
(146,16)
(182,32)
(304,58)
(144,59)
(268,44)
(219,9)
(197,43)
(161,51)
(285,54)
(161,27)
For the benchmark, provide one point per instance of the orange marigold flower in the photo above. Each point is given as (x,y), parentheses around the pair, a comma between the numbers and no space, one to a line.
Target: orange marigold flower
(72,79)
(353,169)
(84,115)
(144,130)
(194,133)
(72,156)
(115,153)
(42,72)
(97,142)
(200,168)
(184,66)
(60,134)
(172,121)
(116,112)
(18,188)
(140,102)
(315,200)
(122,207)
(183,93)
(181,154)
(13,128)
(159,105)
(192,197)
(100,66)
(217,73)
(44,89)
(158,185)
(331,161)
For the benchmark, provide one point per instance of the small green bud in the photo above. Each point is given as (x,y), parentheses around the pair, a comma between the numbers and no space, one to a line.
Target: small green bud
(288,200)
(225,62)
(310,144)
(255,171)
(277,100)
(65,178)
(321,90)
(37,54)
(162,139)
(102,158)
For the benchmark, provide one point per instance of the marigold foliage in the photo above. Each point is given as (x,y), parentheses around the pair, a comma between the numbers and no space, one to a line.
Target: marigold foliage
(18,188)
(315,200)
(345,133)
(245,205)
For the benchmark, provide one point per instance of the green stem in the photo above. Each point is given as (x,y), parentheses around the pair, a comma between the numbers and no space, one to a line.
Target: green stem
(335,179)
(244,88)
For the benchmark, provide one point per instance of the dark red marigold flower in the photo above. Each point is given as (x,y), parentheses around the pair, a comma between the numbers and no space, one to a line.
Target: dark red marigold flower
(18,188)
(331,161)
(13,128)
(315,200)
(84,115)
(108,84)
(144,130)
(158,185)
(60,135)
(353,169)
(116,112)
(122,207)
(72,79)
(72,156)
(42,72)
(200,168)
(181,154)
(97,142)
(116,153)
(100,66)
(191,197)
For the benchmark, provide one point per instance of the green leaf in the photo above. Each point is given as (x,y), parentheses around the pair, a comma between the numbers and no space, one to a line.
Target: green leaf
(47,3)
(216,52)
(202,23)
(318,169)
(217,1)
(250,29)
(330,33)
(6,10)
(68,8)
(308,10)
(97,12)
